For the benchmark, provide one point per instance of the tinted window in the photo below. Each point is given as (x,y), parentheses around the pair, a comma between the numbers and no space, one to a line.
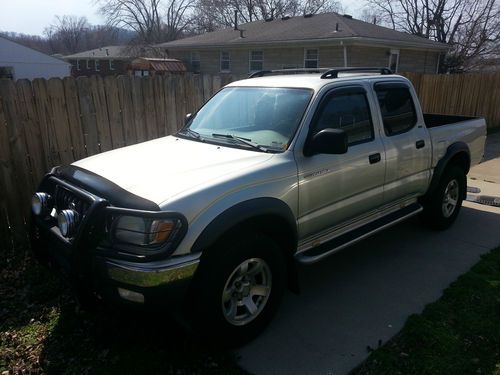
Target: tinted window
(396,106)
(347,111)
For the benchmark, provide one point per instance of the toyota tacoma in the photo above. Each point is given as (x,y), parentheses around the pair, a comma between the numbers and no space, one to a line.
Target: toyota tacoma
(284,167)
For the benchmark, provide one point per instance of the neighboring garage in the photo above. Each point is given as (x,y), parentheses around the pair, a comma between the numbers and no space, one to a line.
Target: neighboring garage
(18,62)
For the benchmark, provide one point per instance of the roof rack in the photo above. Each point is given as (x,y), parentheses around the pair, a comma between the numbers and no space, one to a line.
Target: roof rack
(334,73)
(263,73)
(327,73)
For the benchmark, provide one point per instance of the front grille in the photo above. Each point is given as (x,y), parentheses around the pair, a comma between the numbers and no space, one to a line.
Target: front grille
(67,200)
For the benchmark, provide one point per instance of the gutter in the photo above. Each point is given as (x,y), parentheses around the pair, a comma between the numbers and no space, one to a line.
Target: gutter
(337,41)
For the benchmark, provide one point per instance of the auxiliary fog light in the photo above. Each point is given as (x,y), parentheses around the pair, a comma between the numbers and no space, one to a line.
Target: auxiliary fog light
(131,296)
(41,204)
(67,221)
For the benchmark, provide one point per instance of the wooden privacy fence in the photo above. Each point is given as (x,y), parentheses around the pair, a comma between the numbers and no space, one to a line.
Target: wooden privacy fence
(44,123)
(475,94)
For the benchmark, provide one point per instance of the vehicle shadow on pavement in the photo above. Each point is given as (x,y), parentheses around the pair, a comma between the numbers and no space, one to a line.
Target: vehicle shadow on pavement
(360,297)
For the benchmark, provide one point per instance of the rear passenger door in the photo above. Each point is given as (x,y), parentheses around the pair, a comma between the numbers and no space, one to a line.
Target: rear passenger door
(335,189)
(406,142)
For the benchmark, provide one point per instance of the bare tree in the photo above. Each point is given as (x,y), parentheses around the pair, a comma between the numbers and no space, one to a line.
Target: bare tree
(211,15)
(177,18)
(69,34)
(153,20)
(470,27)
(374,16)
(142,16)
(68,31)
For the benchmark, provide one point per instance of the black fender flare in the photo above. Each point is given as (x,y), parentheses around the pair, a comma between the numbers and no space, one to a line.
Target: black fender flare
(452,151)
(245,212)
(241,212)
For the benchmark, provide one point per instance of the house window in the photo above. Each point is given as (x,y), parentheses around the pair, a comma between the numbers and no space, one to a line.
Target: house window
(97,65)
(141,73)
(311,58)
(195,62)
(78,65)
(88,64)
(394,60)
(7,72)
(111,64)
(256,61)
(225,61)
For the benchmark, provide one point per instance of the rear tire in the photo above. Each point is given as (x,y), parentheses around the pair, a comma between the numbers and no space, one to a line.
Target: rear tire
(238,289)
(442,208)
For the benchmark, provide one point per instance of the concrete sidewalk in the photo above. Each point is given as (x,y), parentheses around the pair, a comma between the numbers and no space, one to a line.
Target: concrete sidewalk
(489,169)
(363,295)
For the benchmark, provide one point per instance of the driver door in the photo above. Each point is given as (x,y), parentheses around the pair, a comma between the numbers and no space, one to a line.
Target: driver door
(337,189)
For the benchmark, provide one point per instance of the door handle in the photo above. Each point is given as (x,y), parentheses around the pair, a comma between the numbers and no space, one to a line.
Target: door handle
(420,144)
(374,158)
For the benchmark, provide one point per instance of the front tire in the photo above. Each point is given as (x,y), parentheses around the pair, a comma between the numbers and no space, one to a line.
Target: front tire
(238,288)
(442,208)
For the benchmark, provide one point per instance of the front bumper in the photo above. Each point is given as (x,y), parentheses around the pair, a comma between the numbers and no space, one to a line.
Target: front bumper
(153,285)
(92,271)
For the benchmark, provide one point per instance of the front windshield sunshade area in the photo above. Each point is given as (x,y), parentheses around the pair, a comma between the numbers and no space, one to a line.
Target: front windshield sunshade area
(251,117)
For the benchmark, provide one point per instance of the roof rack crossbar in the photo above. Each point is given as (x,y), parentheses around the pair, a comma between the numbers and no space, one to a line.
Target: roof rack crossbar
(327,73)
(334,73)
(263,73)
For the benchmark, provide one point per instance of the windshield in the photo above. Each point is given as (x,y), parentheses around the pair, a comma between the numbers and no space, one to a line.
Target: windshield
(265,118)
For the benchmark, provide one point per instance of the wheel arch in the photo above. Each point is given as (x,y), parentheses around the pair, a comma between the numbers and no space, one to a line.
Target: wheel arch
(457,154)
(269,216)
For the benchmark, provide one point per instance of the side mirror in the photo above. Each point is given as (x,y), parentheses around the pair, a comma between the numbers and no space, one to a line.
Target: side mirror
(188,118)
(327,141)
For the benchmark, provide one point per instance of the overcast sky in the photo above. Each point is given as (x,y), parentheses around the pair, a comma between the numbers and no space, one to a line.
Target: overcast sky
(32,16)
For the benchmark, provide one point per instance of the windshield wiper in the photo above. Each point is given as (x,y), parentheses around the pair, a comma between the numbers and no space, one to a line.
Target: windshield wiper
(242,140)
(190,132)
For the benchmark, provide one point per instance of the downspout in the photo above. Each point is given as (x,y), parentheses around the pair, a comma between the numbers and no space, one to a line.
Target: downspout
(345,54)
(439,61)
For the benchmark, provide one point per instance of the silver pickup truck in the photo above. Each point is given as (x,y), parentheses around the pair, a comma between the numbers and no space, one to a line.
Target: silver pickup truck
(276,169)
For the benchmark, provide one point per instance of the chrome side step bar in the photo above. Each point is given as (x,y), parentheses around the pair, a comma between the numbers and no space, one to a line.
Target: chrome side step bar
(338,243)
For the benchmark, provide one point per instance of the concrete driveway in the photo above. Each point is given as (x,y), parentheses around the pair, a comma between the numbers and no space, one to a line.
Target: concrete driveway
(362,296)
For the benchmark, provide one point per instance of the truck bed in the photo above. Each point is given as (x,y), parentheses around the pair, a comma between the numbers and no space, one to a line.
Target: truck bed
(433,120)
(446,130)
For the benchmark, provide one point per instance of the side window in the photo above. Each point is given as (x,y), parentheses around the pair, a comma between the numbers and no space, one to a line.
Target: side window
(397,108)
(349,111)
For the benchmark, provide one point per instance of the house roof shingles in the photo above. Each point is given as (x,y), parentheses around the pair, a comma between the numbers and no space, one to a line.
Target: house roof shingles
(320,27)
(113,52)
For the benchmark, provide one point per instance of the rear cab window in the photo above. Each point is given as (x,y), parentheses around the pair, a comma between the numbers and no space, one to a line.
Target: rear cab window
(396,107)
(347,109)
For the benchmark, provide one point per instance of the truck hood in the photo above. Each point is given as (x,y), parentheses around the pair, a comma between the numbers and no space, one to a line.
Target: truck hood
(160,169)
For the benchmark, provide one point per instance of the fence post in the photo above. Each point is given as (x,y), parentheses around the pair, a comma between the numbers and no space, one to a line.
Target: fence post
(15,169)
(74,118)
(114,112)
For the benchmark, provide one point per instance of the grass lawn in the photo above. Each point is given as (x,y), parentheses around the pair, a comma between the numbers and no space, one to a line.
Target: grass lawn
(43,331)
(458,334)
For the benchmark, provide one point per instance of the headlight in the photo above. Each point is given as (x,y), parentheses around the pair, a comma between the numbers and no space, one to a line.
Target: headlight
(141,231)
(67,221)
(41,204)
